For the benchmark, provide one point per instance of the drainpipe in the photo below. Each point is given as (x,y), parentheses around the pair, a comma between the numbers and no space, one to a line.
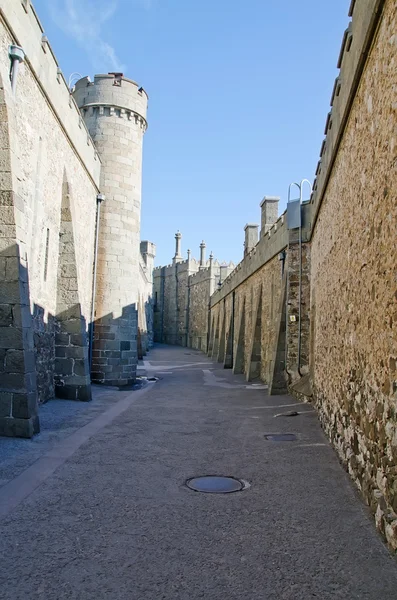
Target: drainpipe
(17,55)
(99,199)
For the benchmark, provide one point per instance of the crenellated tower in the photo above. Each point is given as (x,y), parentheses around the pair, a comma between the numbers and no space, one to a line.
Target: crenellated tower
(114,110)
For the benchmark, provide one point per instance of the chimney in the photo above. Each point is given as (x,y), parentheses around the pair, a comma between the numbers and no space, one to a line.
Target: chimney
(202,255)
(148,252)
(178,256)
(269,213)
(251,237)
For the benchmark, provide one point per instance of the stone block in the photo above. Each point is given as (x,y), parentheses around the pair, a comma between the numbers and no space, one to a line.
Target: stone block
(21,316)
(125,346)
(12,269)
(5,404)
(62,339)
(12,382)
(81,367)
(5,315)
(15,361)
(63,366)
(77,339)
(24,406)
(10,292)
(23,428)
(76,351)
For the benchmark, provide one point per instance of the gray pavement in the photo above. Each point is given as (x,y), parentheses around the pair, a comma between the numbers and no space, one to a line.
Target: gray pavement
(96,507)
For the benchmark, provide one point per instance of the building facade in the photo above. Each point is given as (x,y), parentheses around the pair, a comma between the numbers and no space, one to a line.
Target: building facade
(181,295)
(71,270)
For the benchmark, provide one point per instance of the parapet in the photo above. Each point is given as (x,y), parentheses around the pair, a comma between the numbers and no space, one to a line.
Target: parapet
(21,18)
(355,46)
(270,245)
(111,90)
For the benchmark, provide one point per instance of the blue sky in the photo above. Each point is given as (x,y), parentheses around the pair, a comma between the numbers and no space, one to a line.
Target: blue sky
(239,94)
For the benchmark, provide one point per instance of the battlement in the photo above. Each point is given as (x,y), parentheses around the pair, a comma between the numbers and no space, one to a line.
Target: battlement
(121,96)
(355,45)
(269,246)
(26,30)
(202,275)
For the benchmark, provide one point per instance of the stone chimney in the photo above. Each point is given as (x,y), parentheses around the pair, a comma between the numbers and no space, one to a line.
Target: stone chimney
(251,237)
(148,252)
(178,255)
(202,255)
(269,213)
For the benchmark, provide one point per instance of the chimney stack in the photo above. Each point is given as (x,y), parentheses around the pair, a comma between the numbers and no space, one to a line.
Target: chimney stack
(251,237)
(269,213)
(178,256)
(202,255)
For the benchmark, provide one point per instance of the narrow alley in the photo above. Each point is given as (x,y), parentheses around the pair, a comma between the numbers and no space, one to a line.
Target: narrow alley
(96,506)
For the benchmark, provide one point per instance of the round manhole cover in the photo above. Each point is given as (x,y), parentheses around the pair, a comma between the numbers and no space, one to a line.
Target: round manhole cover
(213,484)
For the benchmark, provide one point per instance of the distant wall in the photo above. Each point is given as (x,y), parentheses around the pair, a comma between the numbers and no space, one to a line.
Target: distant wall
(201,287)
(248,314)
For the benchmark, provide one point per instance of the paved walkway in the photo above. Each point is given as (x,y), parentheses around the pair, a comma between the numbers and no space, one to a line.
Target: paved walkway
(96,507)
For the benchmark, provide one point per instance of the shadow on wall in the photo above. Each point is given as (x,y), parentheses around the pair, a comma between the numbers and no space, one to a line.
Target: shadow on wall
(42,355)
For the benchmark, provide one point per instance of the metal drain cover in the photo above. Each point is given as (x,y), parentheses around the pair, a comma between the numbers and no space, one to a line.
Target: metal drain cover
(281,437)
(214,484)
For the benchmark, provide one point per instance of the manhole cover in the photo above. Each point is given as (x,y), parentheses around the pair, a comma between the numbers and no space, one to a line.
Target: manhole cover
(213,484)
(281,437)
(292,413)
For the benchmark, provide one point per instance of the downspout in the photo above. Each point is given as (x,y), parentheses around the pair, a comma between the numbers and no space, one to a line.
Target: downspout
(17,55)
(99,199)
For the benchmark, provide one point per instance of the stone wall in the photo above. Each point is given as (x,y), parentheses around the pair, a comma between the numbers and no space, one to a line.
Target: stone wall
(201,287)
(181,293)
(245,311)
(353,266)
(44,144)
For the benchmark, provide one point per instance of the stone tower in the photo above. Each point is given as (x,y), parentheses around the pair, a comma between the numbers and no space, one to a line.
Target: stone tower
(114,110)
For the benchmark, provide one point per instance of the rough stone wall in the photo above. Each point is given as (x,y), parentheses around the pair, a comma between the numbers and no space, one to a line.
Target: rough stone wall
(182,300)
(114,109)
(256,303)
(169,306)
(201,286)
(46,142)
(353,298)
(171,284)
(158,308)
